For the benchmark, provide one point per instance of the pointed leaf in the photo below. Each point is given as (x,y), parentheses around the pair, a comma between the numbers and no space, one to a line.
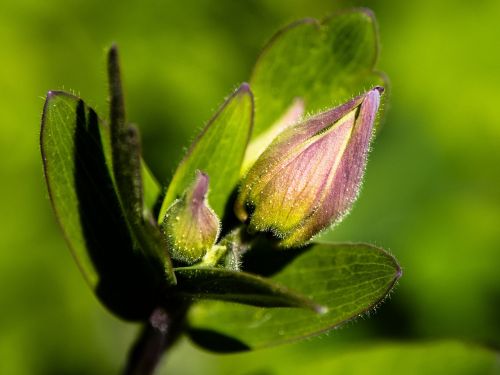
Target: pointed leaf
(127,170)
(82,193)
(348,279)
(218,151)
(125,145)
(242,287)
(151,188)
(324,63)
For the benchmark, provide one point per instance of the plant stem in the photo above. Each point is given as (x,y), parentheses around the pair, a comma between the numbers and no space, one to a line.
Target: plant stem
(157,336)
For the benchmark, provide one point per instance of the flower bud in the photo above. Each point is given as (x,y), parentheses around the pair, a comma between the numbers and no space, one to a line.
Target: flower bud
(309,177)
(190,225)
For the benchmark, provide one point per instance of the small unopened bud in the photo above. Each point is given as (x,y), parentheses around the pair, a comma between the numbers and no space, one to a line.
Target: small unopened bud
(190,225)
(309,177)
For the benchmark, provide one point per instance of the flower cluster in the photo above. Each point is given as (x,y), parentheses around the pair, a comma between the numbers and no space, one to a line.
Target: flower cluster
(306,180)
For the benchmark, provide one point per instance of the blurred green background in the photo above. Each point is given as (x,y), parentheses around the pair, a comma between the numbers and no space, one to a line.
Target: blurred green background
(431,193)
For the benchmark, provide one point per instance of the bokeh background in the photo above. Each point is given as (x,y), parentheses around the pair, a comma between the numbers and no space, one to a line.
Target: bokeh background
(431,194)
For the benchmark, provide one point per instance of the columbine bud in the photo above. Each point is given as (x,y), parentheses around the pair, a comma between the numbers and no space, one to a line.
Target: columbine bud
(190,225)
(309,177)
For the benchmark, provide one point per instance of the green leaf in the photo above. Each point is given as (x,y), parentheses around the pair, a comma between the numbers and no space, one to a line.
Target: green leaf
(218,151)
(127,171)
(150,185)
(235,286)
(125,145)
(83,197)
(324,63)
(151,188)
(348,279)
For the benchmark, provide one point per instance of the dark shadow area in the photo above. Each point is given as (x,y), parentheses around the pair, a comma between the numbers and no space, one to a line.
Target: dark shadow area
(216,342)
(159,202)
(394,320)
(229,221)
(266,259)
(125,285)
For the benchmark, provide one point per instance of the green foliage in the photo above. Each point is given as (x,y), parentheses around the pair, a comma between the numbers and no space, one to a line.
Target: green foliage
(218,151)
(60,171)
(430,191)
(127,168)
(86,204)
(311,290)
(237,286)
(244,293)
(105,207)
(151,190)
(324,63)
(347,279)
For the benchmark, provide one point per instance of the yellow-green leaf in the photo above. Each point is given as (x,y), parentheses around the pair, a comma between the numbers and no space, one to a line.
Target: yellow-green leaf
(324,63)
(218,151)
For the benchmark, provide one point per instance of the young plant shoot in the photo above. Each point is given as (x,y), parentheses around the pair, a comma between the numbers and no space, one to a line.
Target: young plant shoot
(225,254)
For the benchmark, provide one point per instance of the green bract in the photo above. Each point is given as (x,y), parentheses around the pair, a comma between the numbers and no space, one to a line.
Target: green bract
(233,288)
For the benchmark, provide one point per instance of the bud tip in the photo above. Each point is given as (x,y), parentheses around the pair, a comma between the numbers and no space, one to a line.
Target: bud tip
(244,87)
(200,187)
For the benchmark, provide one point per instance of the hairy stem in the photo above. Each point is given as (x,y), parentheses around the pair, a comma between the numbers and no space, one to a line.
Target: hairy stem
(157,336)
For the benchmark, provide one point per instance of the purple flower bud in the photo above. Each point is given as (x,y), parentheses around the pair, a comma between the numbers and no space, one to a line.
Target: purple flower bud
(190,225)
(309,177)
